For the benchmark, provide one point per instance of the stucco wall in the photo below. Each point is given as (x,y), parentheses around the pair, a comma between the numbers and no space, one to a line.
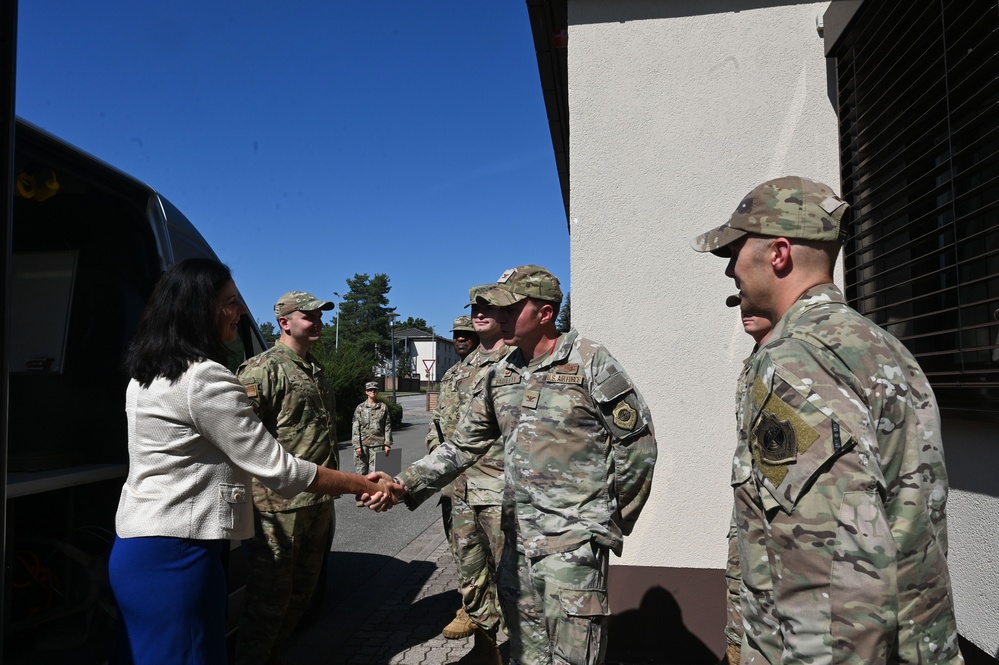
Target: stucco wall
(677,110)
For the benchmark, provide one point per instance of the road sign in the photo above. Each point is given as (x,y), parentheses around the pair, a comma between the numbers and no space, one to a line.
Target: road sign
(429,364)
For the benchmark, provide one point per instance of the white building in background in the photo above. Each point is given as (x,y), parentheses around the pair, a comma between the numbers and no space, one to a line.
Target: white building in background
(426,350)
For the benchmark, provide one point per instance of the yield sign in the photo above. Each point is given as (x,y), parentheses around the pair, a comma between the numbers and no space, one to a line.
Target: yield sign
(428,363)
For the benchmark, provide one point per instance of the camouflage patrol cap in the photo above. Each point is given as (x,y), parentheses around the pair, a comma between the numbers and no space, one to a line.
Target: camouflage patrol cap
(523,282)
(463,323)
(476,291)
(300,300)
(371,385)
(788,207)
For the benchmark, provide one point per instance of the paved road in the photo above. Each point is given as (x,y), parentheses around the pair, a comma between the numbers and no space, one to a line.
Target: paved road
(365,542)
(360,530)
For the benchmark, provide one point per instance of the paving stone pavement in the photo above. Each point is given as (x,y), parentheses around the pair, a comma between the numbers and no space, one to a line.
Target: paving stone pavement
(399,620)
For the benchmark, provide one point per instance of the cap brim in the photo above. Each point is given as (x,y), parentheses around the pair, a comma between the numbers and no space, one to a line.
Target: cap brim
(717,240)
(324,305)
(499,297)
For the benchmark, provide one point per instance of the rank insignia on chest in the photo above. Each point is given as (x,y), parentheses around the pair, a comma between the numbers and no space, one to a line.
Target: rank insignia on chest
(625,416)
(530,400)
(251,390)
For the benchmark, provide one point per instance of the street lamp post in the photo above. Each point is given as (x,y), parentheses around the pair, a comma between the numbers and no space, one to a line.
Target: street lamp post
(339,306)
(392,317)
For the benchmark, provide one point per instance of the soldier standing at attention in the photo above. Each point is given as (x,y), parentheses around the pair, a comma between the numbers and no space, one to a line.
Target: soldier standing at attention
(839,477)
(759,329)
(579,457)
(477,536)
(370,430)
(291,536)
(447,413)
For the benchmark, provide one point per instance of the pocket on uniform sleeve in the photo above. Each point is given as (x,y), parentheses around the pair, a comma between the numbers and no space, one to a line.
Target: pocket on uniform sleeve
(232,505)
(794,436)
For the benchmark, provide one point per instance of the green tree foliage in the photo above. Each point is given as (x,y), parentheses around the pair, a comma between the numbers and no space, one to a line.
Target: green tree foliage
(347,370)
(418,323)
(268,331)
(564,321)
(364,314)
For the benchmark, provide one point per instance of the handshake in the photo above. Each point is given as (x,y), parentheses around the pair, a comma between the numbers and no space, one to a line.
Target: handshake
(388,493)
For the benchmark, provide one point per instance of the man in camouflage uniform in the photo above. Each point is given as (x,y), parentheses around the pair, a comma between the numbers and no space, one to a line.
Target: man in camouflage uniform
(579,456)
(447,413)
(370,429)
(759,329)
(291,536)
(839,478)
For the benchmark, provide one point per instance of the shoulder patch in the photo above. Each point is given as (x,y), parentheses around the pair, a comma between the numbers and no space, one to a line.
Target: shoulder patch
(778,437)
(625,416)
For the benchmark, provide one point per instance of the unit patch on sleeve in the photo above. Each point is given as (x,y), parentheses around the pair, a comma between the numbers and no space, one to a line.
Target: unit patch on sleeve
(625,416)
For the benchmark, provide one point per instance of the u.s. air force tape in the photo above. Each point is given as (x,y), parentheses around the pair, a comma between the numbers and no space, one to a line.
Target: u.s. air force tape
(563,378)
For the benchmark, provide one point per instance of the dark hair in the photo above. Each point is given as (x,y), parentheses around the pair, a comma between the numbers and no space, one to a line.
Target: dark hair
(180,323)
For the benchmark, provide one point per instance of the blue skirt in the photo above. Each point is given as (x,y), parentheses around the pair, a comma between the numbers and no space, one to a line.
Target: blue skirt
(171,595)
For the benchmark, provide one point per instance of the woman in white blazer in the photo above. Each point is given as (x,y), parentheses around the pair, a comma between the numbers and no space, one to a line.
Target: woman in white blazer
(194,443)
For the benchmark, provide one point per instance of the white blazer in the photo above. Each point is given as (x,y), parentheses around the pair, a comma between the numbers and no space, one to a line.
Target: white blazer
(193,447)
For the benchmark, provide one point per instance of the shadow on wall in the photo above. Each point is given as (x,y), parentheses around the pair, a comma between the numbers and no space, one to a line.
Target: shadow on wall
(643,11)
(972,454)
(655,634)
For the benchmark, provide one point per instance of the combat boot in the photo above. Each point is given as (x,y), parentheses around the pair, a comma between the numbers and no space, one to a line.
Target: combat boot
(461,626)
(484,651)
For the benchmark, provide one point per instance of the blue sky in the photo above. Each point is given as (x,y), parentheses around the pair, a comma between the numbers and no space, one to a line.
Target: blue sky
(309,141)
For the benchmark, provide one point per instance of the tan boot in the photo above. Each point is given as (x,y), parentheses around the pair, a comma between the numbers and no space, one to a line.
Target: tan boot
(484,651)
(461,626)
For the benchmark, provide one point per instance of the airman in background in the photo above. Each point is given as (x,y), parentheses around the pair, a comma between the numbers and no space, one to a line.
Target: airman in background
(447,413)
(370,430)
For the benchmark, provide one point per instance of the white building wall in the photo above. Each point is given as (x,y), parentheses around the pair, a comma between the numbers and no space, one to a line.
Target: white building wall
(677,110)
(972,451)
(441,350)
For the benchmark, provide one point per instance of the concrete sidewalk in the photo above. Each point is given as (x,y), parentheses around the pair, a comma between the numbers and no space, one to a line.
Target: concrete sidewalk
(398,618)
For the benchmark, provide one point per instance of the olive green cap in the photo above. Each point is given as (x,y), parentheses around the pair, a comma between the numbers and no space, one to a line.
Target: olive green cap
(463,323)
(528,281)
(300,301)
(788,207)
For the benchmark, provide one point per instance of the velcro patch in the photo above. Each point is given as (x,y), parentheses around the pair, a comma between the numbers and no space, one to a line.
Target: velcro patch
(251,390)
(513,379)
(779,436)
(567,368)
(563,378)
